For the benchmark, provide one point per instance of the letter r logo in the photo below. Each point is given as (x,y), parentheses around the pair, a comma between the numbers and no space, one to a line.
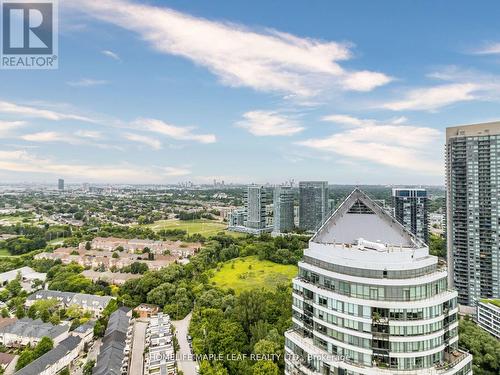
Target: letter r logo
(27,28)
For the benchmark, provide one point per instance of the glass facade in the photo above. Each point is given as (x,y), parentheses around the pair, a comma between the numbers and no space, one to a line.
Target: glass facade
(473,182)
(376,292)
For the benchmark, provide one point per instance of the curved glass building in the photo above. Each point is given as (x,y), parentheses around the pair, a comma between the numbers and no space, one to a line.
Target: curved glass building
(369,299)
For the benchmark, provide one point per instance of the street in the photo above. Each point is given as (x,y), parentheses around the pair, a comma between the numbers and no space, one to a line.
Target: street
(137,363)
(185,364)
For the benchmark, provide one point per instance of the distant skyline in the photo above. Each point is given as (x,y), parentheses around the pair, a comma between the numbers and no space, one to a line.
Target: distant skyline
(160,92)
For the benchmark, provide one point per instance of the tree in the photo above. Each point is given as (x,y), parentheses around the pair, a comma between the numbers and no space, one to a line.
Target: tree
(437,245)
(88,246)
(266,347)
(14,287)
(99,329)
(484,348)
(265,368)
(87,368)
(4,295)
(28,354)
(46,344)
(216,369)
(115,255)
(20,312)
(25,358)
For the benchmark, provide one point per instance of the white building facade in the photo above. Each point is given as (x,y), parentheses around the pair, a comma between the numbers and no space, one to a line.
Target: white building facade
(488,316)
(369,299)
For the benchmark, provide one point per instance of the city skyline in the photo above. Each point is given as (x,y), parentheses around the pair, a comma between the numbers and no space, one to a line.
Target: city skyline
(323,92)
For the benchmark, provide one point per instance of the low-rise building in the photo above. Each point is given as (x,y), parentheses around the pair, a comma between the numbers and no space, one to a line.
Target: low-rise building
(88,302)
(176,248)
(116,278)
(114,353)
(160,355)
(56,359)
(105,260)
(85,331)
(488,316)
(145,310)
(27,277)
(23,332)
(8,362)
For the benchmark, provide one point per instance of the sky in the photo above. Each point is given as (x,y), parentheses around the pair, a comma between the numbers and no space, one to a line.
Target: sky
(352,92)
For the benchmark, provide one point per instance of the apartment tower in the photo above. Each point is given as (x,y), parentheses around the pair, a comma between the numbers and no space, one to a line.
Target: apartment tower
(411,210)
(473,210)
(369,299)
(313,204)
(283,209)
(256,199)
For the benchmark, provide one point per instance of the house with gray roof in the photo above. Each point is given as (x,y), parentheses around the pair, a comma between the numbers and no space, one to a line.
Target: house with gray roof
(27,276)
(27,331)
(89,302)
(113,358)
(56,359)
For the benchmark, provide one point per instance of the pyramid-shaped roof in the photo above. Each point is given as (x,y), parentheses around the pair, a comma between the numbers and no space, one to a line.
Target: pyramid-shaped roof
(359,217)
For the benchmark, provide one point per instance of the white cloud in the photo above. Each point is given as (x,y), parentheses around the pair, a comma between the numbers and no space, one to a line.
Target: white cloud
(172,131)
(266,60)
(351,121)
(7,127)
(176,172)
(488,49)
(52,137)
(401,146)
(428,99)
(365,80)
(78,138)
(268,123)
(111,54)
(91,134)
(88,82)
(149,141)
(347,120)
(23,162)
(10,108)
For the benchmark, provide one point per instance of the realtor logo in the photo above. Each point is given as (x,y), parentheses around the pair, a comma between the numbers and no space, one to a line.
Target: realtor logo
(29,34)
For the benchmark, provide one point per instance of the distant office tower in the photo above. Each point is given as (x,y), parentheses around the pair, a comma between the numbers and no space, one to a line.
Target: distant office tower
(370,300)
(473,210)
(256,200)
(313,204)
(60,184)
(411,210)
(283,209)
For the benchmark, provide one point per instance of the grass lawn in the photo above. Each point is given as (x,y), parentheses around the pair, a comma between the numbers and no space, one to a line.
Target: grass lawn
(250,273)
(203,227)
(13,220)
(4,253)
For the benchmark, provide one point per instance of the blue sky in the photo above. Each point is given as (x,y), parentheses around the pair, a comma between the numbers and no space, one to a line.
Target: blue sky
(262,91)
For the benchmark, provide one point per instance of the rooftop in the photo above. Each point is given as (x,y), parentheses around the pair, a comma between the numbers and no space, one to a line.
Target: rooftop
(69,298)
(48,359)
(361,234)
(111,353)
(26,273)
(361,222)
(34,328)
(494,302)
(483,129)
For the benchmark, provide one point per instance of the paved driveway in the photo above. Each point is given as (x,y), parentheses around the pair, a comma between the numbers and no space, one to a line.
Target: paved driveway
(137,363)
(185,363)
